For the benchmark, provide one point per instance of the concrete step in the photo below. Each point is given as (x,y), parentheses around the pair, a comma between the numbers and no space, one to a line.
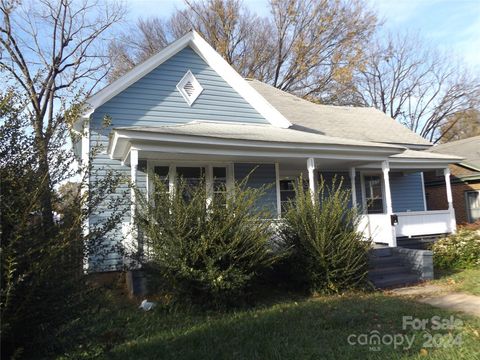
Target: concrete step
(384,262)
(395,280)
(380,252)
(380,272)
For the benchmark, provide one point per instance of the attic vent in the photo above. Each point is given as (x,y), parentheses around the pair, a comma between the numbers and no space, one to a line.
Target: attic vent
(189,87)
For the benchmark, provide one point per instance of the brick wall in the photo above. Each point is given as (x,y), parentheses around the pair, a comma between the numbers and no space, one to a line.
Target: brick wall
(437,198)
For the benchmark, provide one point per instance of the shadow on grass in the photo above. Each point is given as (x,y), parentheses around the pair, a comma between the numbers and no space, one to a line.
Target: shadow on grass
(309,329)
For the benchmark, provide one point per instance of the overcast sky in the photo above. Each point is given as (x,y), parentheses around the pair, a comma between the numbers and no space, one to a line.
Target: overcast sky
(452,25)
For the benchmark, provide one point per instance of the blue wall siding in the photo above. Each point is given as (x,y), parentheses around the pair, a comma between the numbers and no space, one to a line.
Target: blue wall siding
(328,177)
(263,174)
(154,101)
(407,192)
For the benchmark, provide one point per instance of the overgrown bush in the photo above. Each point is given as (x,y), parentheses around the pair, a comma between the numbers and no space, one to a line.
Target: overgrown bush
(43,286)
(458,251)
(205,251)
(327,254)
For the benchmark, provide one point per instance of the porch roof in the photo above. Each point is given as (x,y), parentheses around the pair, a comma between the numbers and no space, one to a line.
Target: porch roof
(268,133)
(238,139)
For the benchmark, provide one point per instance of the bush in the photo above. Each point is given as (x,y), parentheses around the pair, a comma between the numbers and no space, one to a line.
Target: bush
(327,254)
(458,251)
(205,254)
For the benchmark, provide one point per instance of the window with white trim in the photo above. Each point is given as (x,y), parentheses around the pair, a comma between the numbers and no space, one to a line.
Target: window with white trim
(219,184)
(189,87)
(287,192)
(472,202)
(373,194)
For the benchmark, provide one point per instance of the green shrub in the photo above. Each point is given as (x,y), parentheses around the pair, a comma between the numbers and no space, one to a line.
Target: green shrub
(327,253)
(458,251)
(207,255)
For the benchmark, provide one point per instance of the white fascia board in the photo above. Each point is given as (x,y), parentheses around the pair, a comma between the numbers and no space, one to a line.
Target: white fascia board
(221,147)
(138,72)
(180,140)
(251,152)
(212,58)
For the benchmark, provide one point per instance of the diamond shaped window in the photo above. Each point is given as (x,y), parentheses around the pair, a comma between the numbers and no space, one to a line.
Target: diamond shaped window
(189,87)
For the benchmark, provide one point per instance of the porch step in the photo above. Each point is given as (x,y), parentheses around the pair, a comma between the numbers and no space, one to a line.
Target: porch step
(396,280)
(418,242)
(386,270)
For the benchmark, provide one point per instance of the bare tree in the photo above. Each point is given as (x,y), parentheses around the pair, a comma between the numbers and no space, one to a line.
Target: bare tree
(50,51)
(303,47)
(419,87)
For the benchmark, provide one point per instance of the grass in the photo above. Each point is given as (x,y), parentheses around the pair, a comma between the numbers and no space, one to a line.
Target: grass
(310,328)
(467,280)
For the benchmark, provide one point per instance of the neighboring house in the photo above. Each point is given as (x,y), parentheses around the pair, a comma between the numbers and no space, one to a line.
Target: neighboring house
(465,180)
(186,112)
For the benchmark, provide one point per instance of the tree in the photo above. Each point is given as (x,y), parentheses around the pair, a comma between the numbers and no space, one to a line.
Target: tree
(304,47)
(49,62)
(419,87)
(49,50)
(460,126)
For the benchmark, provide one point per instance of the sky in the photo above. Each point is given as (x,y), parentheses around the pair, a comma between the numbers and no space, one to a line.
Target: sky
(451,25)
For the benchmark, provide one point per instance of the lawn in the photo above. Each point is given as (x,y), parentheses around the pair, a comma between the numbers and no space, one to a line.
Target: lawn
(467,280)
(314,328)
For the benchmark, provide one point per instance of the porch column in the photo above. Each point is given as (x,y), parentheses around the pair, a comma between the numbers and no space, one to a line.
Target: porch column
(132,233)
(388,198)
(312,184)
(209,183)
(277,186)
(453,223)
(133,175)
(386,181)
(353,187)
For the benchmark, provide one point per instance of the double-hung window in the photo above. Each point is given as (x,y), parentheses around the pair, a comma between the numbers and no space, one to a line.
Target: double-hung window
(373,194)
(287,193)
(192,177)
(472,200)
(219,184)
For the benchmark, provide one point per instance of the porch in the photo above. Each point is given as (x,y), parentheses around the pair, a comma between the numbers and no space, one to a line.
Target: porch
(386,181)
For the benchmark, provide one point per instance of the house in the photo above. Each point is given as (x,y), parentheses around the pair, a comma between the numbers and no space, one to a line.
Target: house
(186,112)
(465,180)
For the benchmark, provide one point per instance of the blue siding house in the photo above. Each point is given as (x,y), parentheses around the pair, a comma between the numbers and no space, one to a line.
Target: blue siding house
(187,109)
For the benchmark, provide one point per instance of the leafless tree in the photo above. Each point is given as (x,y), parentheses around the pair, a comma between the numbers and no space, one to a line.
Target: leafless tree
(419,87)
(303,47)
(50,50)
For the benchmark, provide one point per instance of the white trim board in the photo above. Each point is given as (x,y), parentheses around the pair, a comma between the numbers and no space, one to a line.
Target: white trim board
(212,58)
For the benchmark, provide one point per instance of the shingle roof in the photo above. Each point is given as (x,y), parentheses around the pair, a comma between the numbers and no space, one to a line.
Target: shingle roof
(467,148)
(268,133)
(414,154)
(365,124)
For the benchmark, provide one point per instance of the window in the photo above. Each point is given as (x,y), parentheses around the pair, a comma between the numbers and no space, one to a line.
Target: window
(373,194)
(190,88)
(219,184)
(162,174)
(192,176)
(287,192)
(472,199)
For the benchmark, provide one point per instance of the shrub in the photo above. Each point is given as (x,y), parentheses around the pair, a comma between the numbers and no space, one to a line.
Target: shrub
(327,253)
(458,251)
(205,254)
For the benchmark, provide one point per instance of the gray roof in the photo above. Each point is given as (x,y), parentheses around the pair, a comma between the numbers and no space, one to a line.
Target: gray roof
(267,133)
(469,149)
(358,123)
(414,154)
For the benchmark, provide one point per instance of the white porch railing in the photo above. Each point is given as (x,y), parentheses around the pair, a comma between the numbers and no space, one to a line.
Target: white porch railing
(423,223)
(378,228)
